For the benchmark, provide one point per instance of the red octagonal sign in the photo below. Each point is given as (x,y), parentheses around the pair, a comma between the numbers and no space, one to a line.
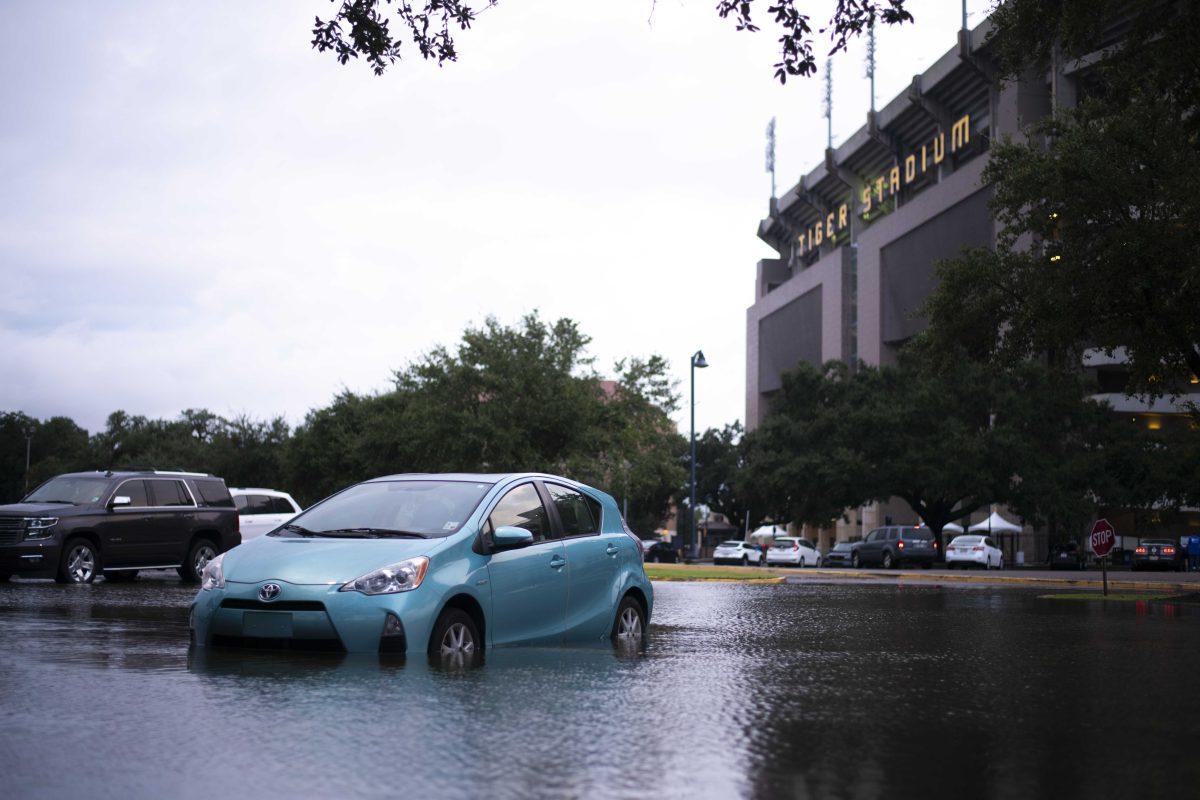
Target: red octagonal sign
(1103,538)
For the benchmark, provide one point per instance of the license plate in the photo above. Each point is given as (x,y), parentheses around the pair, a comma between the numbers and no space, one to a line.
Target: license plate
(267,624)
(1154,558)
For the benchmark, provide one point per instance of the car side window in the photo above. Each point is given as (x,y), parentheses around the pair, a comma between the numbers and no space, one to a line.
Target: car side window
(988,542)
(258,504)
(280,505)
(893,534)
(169,494)
(240,503)
(573,511)
(522,508)
(135,491)
(875,535)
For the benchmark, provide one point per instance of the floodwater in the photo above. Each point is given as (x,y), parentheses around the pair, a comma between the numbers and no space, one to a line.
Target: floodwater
(811,690)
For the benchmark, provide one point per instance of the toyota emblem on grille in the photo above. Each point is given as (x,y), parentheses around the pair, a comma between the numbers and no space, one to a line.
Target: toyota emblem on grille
(269,592)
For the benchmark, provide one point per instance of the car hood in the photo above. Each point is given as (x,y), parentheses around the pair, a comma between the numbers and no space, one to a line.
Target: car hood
(41,509)
(317,560)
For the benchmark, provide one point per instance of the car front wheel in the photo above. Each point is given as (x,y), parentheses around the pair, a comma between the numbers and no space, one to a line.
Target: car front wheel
(854,562)
(80,562)
(201,552)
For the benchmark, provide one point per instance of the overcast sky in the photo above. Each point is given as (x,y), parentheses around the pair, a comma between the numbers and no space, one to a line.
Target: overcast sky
(198,210)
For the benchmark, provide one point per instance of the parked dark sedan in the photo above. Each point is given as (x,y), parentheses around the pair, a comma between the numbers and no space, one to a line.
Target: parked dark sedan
(842,555)
(659,552)
(1068,555)
(1158,554)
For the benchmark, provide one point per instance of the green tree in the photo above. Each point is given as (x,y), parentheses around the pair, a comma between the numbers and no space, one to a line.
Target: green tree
(1098,203)
(507,398)
(949,437)
(365,28)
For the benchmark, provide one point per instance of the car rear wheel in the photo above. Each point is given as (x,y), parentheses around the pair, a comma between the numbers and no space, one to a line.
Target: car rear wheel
(887,560)
(745,561)
(201,552)
(630,624)
(80,562)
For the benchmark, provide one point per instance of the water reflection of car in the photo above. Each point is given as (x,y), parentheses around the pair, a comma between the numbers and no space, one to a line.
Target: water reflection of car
(444,564)
(974,551)
(1068,555)
(792,551)
(737,552)
(842,555)
(1157,554)
(659,552)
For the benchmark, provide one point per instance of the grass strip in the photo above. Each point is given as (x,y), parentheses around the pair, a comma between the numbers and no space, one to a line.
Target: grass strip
(1111,597)
(686,572)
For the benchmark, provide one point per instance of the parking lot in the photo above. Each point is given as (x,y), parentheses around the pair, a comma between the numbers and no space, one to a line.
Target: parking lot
(865,689)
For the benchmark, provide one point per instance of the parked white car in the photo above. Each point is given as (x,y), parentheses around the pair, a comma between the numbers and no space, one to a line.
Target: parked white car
(793,552)
(262,510)
(737,552)
(974,551)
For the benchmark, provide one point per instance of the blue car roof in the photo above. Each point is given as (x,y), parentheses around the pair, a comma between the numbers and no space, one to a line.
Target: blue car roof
(470,477)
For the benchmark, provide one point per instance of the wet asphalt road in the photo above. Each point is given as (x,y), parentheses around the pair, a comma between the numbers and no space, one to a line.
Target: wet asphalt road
(814,690)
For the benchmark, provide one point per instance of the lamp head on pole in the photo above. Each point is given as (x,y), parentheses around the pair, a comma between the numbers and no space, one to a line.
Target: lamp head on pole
(698,360)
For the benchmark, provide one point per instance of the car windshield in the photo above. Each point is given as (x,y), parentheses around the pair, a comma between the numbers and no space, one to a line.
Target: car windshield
(426,508)
(76,491)
(966,540)
(841,547)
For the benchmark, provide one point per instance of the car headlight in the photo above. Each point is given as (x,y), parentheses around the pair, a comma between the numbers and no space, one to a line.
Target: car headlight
(213,576)
(40,527)
(403,576)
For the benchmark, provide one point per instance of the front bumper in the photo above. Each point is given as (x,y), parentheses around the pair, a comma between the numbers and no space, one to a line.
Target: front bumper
(836,561)
(31,558)
(310,617)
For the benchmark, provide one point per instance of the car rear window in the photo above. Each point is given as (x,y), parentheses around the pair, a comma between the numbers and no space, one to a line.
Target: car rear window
(729,544)
(967,540)
(213,493)
(783,544)
(918,533)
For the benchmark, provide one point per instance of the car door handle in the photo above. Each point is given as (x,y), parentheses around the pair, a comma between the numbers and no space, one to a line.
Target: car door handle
(612,549)
(557,561)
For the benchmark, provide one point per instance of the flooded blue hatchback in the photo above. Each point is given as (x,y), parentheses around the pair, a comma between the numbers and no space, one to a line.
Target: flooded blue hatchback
(438,564)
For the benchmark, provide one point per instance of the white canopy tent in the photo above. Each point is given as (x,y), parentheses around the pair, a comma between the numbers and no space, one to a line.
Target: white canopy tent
(952,527)
(767,533)
(995,524)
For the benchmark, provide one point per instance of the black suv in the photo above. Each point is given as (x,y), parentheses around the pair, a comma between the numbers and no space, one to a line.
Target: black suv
(75,526)
(895,545)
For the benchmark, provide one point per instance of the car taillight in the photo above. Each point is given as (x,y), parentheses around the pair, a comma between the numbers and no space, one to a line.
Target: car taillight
(900,544)
(795,545)
(977,548)
(1140,551)
(1169,551)
(935,544)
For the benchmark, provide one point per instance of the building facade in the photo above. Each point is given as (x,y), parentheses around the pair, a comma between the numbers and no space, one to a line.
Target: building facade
(857,237)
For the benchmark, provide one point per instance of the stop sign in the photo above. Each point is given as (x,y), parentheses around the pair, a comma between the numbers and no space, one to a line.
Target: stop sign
(1103,538)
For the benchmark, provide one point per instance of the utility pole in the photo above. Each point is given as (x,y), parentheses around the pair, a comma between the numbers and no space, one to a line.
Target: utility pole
(697,362)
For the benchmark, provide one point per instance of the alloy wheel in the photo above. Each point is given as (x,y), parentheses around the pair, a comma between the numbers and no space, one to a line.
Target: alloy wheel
(457,639)
(81,563)
(204,554)
(630,624)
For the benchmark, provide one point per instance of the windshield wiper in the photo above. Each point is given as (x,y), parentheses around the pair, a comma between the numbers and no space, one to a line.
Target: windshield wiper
(298,529)
(372,533)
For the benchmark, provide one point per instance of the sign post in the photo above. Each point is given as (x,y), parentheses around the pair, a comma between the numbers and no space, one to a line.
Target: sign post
(1102,540)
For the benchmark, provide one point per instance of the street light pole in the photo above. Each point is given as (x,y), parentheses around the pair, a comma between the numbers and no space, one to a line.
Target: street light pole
(693,545)
(28,447)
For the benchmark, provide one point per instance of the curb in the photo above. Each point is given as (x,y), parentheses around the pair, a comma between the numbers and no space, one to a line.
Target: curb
(1113,583)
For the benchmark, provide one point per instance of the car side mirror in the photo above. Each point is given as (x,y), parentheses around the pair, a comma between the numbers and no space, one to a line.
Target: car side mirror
(120,500)
(509,537)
